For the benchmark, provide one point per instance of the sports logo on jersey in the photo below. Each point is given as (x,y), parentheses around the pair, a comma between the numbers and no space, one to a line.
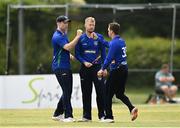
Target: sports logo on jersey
(84,44)
(82,40)
(90,51)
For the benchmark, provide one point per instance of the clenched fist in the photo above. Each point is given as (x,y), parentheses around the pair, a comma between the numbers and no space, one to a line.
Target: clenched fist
(79,32)
(94,35)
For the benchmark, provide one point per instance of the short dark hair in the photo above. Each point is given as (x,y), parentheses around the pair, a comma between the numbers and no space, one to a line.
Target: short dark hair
(115,27)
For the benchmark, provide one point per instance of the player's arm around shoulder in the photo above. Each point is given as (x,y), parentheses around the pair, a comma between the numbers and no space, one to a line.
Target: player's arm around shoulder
(78,49)
(102,47)
(101,39)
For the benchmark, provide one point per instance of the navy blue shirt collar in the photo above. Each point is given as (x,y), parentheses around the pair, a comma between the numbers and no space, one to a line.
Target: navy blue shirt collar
(116,36)
(60,32)
(87,36)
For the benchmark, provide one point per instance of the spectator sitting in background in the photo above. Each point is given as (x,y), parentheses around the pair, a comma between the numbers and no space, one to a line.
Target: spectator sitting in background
(164,79)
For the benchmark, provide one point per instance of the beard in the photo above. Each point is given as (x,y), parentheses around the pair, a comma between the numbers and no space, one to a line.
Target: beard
(90,30)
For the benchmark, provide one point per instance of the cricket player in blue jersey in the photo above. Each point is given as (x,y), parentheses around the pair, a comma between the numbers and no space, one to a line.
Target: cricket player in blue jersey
(62,69)
(116,81)
(91,54)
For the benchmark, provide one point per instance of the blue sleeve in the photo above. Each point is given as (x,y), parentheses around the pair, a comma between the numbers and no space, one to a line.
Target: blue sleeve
(109,57)
(60,41)
(103,41)
(78,53)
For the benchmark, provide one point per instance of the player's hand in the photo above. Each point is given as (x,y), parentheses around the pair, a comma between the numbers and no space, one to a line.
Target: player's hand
(113,62)
(87,64)
(94,35)
(79,32)
(100,73)
(105,73)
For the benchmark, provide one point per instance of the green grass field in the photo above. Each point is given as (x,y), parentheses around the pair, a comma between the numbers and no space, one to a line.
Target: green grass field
(166,115)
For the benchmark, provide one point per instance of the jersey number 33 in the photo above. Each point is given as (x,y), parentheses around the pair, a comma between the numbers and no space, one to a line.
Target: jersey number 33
(124,52)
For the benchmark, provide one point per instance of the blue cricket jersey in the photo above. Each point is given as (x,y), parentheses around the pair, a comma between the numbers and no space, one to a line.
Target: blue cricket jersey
(61,57)
(116,53)
(88,49)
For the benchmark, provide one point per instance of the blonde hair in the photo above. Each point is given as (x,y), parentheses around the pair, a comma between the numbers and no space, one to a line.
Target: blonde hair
(165,66)
(91,19)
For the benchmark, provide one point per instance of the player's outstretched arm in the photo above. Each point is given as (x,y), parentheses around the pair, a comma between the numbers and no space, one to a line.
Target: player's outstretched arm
(72,44)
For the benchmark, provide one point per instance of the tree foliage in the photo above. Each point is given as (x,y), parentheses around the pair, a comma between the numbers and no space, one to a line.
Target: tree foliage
(40,25)
(131,1)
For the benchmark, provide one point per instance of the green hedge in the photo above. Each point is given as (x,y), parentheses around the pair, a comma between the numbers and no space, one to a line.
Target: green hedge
(147,53)
(151,52)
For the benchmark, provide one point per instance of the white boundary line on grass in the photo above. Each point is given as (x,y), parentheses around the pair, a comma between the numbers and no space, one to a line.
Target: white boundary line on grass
(156,105)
